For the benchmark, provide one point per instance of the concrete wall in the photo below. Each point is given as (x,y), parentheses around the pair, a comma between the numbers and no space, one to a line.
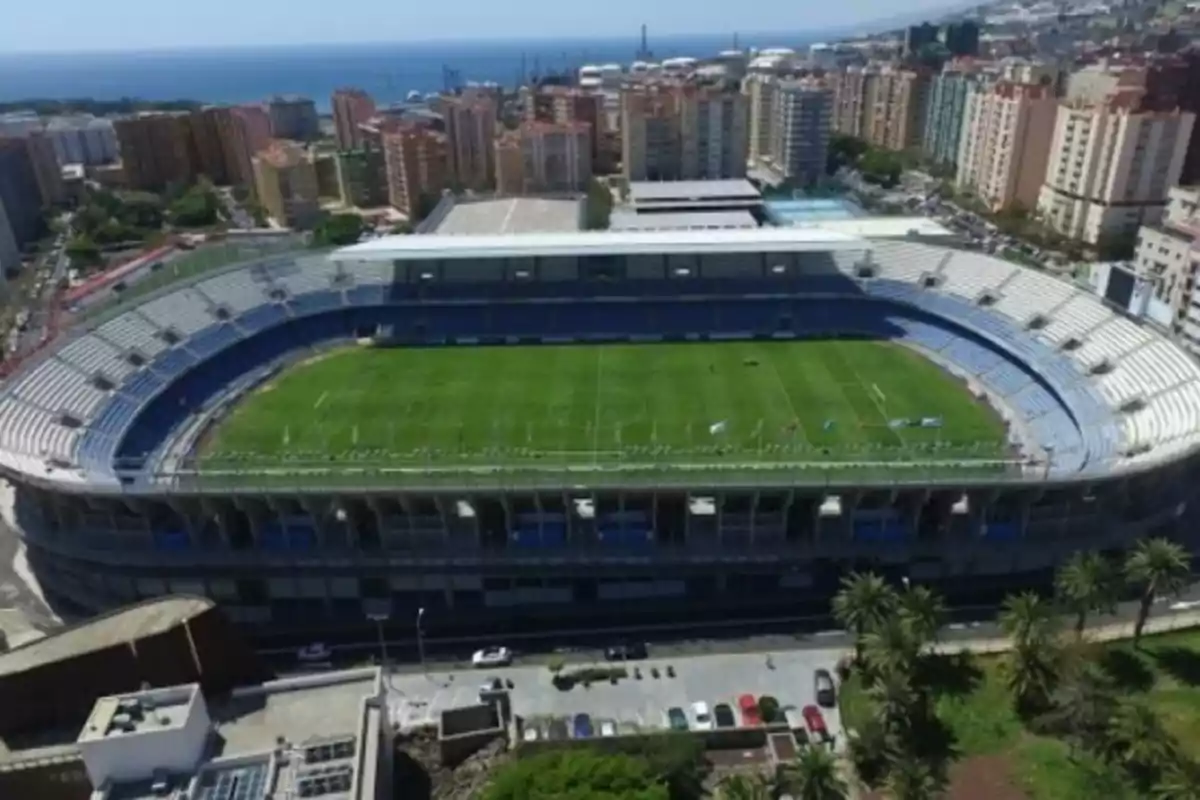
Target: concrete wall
(462,731)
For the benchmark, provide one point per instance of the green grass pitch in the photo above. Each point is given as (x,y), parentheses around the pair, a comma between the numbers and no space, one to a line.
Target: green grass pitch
(628,405)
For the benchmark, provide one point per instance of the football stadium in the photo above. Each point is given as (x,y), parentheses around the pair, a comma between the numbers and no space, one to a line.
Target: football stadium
(565,426)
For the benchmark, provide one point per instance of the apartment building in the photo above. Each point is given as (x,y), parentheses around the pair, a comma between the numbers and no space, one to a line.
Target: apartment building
(156,150)
(1005,143)
(287,184)
(83,139)
(209,128)
(351,108)
(1164,258)
(417,161)
(361,178)
(760,101)
(650,135)
(10,254)
(946,111)
(293,117)
(885,105)
(544,157)
(19,192)
(471,131)
(800,130)
(1111,165)
(683,130)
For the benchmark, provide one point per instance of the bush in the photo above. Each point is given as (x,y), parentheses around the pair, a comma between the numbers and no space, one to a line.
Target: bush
(768,707)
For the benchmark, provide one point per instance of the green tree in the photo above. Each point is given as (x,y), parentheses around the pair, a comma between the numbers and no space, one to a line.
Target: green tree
(863,602)
(745,787)
(1179,779)
(83,252)
(910,778)
(599,204)
(881,166)
(844,151)
(1081,707)
(1086,584)
(925,611)
(812,776)
(1032,667)
(1156,567)
(197,207)
(1138,741)
(338,230)
(894,645)
(583,773)
(893,697)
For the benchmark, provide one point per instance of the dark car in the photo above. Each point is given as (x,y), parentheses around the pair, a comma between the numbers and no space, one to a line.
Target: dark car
(626,652)
(676,719)
(823,685)
(723,716)
(582,727)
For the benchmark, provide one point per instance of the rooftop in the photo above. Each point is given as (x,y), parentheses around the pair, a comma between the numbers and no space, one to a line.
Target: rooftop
(599,243)
(661,191)
(139,712)
(509,216)
(126,625)
(622,220)
(314,736)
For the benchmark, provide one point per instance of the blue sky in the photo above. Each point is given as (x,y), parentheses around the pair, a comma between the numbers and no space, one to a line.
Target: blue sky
(88,25)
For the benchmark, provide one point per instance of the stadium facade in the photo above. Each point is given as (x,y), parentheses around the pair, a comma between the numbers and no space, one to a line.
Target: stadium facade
(96,435)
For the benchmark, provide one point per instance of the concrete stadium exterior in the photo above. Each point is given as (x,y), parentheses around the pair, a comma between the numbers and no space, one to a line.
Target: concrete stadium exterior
(1112,408)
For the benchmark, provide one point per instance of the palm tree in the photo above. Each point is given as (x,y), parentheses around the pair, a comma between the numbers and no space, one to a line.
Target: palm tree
(910,778)
(925,610)
(812,776)
(864,601)
(1180,780)
(745,787)
(1136,737)
(1026,619)
(1084,584)
(893,697)
(893,646)
(1157,567)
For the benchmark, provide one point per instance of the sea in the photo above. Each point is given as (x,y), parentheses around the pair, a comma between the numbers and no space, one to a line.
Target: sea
(387,71)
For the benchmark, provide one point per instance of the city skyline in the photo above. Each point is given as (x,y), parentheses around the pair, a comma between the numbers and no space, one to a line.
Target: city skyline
(273,23)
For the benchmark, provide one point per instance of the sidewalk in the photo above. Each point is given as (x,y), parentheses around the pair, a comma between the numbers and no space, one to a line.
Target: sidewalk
(1108,632)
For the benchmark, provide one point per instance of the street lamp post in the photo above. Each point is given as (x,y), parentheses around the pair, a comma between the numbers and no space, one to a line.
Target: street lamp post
(421,637)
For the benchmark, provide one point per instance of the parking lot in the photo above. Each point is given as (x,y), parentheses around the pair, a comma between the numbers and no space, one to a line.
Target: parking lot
(631,704)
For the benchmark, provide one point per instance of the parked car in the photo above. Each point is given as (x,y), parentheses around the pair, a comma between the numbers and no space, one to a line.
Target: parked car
(626,652)
(582,726)
(816,722)
(608,728)
(749,708)
(491,685)
(723,716)
(492,657)
(823,684)
(701,718)
(313,653)
(676,719)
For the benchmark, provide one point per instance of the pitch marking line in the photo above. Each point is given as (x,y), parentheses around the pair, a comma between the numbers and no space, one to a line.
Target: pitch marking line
(596,415)
(320,400)
(786,396)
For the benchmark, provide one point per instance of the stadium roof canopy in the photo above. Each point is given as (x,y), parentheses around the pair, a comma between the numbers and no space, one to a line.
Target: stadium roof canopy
(599,243)
(122,626)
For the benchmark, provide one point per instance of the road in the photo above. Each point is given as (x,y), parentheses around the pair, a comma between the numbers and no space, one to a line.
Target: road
(777,635)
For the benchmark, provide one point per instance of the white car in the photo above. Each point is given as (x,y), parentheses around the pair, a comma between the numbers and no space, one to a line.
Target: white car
(492,657)
(315,652)
(701,717)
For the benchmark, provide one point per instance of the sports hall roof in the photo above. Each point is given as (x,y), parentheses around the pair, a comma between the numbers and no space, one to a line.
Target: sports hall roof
(641,192)
(125,625)
(591,243)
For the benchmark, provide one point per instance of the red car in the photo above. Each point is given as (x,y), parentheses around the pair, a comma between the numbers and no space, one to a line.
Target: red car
(749,708)
(815,721)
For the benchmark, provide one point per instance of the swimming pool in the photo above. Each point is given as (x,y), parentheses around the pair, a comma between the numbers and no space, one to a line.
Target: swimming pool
(811,209)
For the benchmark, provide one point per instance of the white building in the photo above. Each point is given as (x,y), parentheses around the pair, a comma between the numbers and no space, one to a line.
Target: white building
(802,120)
(83,139)
(1111,166)
(319,735)
(1166,261)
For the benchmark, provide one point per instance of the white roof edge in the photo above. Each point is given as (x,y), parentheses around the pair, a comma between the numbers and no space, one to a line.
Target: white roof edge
(583,243)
